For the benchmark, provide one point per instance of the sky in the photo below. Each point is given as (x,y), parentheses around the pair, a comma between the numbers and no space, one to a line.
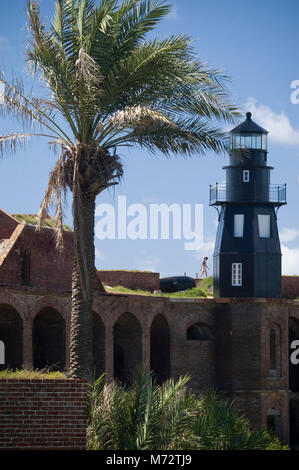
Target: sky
(256,44)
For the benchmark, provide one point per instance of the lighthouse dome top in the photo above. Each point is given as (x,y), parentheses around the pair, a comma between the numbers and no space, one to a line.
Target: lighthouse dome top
(249,127)
(249,135)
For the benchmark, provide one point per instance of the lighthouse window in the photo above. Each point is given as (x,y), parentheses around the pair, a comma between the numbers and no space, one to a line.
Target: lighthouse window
(238,225)
(264,225)
(237,274)
(246,174)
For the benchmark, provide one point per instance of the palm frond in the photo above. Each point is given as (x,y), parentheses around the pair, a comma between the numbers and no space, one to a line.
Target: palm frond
(184,136)
(9,143)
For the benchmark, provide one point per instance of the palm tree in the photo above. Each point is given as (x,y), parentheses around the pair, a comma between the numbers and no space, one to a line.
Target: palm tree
(151,417)
(107,86)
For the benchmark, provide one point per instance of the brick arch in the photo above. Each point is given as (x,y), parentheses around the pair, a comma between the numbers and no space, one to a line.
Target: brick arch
(11,335)
(61,306)
(13,301)
(49,339)
(199,331)
(198,318)
(119,309)
(127,346)
(294,314)
(273,348)
(160,348)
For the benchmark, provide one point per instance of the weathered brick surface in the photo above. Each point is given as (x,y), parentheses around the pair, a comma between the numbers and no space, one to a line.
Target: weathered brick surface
(49,269)
(43,414)
(7,225)
(290,286)
(131,279)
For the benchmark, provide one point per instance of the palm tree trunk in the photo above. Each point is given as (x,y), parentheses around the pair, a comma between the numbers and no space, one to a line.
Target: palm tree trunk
(81,356)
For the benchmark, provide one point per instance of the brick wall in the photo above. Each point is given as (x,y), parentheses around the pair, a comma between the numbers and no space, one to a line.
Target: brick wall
(290,286)
(7,225)
(43,414)
(131,279)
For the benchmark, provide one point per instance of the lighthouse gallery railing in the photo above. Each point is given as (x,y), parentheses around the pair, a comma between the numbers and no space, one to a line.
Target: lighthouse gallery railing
(221,193)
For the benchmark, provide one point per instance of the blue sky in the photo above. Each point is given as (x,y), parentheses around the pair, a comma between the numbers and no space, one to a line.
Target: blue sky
(256,43)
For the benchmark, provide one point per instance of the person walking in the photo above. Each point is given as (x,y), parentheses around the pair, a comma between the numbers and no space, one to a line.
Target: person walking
(204,267)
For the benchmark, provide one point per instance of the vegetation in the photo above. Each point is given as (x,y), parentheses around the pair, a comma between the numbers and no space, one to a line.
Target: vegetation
(34,220)
(207,283)
(30,374)
(106,86)
(195,292)
(167,417)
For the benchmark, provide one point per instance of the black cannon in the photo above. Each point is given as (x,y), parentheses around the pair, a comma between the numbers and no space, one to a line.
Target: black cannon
(176,283)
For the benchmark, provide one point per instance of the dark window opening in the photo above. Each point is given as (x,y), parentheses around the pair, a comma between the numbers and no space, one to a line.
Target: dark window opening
(274,422)
(199,332)
(49,340)
(271,422)
(272,350)
(127,348)
(11,334)
(25,267)
(160,349)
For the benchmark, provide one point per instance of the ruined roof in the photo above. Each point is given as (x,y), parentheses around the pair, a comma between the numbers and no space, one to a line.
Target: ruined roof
(7,245)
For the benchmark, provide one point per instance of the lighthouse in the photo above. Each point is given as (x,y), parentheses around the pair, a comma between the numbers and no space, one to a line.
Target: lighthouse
(247,254)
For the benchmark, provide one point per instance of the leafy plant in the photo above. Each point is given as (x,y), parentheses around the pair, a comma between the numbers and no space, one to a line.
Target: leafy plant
(30,374)
(168,417)
(206,283)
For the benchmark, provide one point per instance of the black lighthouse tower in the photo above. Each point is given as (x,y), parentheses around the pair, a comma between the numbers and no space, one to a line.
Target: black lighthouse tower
(247,255)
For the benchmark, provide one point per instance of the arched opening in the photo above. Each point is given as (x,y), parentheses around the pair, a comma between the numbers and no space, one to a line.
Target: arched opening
(49,340)
(98,345)
(127,336)
(11,334)
(25,267)
(274,350)
(272,341)
(199,332)
(294,385)
(198,359)
(160,349)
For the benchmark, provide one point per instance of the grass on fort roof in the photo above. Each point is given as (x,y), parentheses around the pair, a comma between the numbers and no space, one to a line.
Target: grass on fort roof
(189,293)
(127,270)
(31,374)
(32,220)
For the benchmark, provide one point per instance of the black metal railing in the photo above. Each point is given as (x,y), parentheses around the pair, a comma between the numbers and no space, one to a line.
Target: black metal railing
(273,193)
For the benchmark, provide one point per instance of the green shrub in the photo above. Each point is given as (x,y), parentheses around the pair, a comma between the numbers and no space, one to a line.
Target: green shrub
(31,374)
(206,283)
(168,417)
(195,292)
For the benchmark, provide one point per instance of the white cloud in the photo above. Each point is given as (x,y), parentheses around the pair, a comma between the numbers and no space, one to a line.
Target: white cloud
(290,260)
(278,125)
(288,234)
